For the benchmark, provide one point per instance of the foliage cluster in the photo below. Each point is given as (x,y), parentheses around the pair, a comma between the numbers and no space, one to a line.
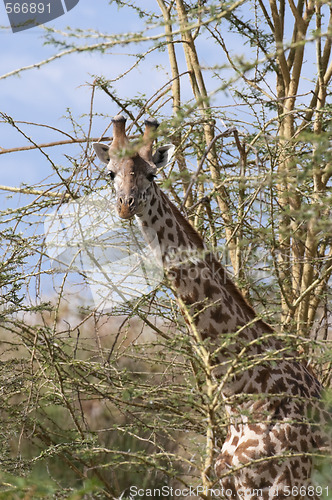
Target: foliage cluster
(94,400)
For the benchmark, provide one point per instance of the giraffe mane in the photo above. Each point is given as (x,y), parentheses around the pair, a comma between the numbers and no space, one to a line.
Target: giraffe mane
(185,224)
(218,267)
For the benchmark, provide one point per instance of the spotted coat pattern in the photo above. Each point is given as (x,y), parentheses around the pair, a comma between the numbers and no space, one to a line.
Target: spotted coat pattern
(273,427)
(275,415)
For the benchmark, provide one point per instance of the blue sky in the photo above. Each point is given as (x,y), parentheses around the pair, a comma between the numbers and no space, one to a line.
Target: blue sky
(43,95)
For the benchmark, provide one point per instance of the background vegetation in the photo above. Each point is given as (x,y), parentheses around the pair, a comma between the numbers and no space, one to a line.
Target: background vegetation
(96,400)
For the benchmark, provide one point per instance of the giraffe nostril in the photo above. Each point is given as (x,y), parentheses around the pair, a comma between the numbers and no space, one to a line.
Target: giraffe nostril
(127,200)
(131,201)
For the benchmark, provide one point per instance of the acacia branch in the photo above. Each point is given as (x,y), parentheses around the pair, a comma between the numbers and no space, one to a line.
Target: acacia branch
(279,36)
(325,275)
(4,151)
(125,40)
(37,192)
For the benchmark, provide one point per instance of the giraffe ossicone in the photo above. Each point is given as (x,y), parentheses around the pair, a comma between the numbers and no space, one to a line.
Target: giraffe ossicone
(275,414)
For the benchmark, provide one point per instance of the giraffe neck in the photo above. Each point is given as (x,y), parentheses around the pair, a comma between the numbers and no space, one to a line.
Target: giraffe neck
(198,279)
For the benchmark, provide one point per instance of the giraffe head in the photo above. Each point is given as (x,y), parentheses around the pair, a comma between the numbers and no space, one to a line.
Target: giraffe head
(132,167)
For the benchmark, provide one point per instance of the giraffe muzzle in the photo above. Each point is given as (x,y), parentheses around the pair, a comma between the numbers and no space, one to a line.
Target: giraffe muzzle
(126,206)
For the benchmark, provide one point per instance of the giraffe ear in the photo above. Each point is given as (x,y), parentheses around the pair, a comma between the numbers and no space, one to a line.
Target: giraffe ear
(102,151)
(163,155)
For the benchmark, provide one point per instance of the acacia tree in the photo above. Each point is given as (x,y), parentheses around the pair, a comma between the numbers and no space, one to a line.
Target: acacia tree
(129,391)
(303,262)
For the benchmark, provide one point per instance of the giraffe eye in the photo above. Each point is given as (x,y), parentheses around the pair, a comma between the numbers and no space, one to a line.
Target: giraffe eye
(150,177)
(111,175)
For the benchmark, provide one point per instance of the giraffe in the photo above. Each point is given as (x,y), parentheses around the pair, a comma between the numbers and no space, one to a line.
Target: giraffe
(269,399)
